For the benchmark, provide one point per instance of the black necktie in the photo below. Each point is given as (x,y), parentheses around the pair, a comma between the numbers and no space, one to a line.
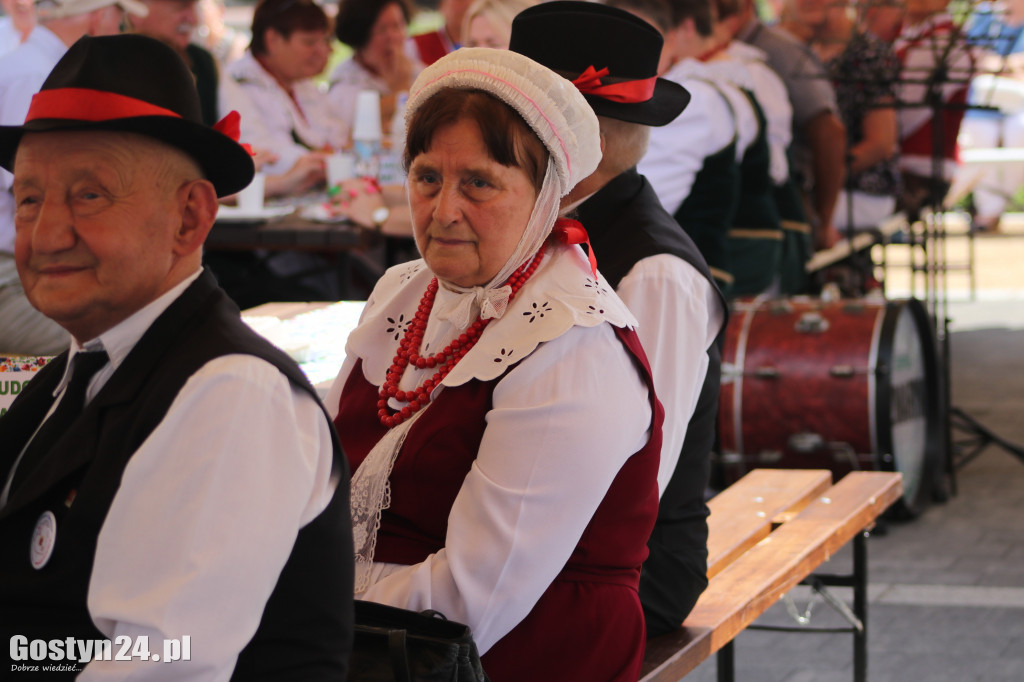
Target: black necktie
(84,367)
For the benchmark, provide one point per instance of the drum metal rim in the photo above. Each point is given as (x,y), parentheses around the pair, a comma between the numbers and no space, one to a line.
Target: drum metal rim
(872,375)
(741,365)
(933,454)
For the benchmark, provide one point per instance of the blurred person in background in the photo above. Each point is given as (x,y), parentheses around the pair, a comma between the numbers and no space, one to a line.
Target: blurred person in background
(818,149)
(936,66)
(864,71)
(287,116)
(173,22)
(22,71)
(17,25)
(755,236)
(377,32)
(227,43)
(997,29)
(488,23)
(691,161)
(291,43)
(772,96)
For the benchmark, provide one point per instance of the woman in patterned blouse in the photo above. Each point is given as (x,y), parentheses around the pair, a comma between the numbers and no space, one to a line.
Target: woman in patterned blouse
(864,71)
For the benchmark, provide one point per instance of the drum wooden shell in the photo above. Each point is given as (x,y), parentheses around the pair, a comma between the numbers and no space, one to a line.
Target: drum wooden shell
(842,385)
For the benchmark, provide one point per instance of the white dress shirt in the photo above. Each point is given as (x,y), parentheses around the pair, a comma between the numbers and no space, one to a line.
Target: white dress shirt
(729,75)
(677,151)
(678,317)
(207,512)
(771,94)
(10,37)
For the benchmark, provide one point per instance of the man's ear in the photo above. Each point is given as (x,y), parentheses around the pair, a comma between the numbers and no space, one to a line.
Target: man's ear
(198,201)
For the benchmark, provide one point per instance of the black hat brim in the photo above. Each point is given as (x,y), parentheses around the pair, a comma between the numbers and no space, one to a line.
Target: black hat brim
(665,105)
(225,163)
(570,37)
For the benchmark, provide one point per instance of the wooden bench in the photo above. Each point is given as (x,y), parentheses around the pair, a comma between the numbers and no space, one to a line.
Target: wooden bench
(768,532)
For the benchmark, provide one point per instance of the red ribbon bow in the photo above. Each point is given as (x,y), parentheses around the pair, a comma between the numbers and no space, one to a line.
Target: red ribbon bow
(569,231)
(231,126)
(589,83)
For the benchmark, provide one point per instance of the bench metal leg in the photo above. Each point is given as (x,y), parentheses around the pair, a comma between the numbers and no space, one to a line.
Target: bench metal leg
(726,663)
(858,618)
(860,606)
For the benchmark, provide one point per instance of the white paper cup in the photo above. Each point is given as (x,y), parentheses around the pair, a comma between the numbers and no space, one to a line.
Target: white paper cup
(367,122)
(340,167)
(250,199)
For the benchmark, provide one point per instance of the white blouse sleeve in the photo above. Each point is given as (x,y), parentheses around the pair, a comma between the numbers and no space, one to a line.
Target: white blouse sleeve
(563,423)
(206,516)
(679,315)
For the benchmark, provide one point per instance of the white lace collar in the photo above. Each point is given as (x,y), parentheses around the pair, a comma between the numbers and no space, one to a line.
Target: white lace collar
(561,294)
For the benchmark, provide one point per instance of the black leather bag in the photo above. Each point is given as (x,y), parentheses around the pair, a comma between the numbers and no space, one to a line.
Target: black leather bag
(396,645)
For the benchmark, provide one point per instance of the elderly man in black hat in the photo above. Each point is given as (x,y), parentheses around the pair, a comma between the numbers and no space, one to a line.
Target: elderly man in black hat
(171,481)
(612,57)
(59,24)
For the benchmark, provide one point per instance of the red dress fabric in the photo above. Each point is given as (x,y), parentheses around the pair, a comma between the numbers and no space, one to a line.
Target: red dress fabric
(588,624)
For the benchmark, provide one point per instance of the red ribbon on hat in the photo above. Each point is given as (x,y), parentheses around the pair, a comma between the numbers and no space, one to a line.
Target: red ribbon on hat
(589,83)
(231,126)
(569,231)
(83,104)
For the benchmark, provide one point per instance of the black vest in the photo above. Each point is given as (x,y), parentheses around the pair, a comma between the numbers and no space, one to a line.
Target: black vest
(756,209)
(709,210)
(627,223)
(306,629)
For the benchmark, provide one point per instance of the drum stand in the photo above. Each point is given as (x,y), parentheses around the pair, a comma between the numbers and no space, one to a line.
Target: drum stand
(928,263)
(981,438)
(930,236)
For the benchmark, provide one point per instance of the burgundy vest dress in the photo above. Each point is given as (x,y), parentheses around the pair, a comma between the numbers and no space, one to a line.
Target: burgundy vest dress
(588,624)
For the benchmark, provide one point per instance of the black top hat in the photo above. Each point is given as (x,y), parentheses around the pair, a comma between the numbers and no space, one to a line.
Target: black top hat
(580,40)
(131,83)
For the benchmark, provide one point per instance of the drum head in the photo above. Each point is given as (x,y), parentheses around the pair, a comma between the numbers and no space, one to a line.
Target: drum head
(909,433)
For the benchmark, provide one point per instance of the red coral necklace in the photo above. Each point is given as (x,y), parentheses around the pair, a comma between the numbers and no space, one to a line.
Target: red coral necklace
(445,360)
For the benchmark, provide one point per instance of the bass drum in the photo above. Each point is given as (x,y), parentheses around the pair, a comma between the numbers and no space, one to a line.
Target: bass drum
(840,385)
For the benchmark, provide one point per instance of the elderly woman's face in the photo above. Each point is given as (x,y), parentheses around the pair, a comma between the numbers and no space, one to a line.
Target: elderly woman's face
(469,211)
(387,37)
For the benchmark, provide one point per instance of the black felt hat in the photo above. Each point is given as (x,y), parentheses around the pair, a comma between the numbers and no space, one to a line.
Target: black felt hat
(579,40)
(131,83)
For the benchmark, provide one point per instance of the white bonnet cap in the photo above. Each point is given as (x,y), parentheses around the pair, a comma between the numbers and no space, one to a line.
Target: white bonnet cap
(550,104)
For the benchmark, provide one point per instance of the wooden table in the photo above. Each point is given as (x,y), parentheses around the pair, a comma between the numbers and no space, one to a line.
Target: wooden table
(349,255)
(291,232)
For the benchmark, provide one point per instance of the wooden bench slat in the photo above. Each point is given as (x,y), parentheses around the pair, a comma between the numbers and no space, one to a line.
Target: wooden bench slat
(747,587)
(743,513)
